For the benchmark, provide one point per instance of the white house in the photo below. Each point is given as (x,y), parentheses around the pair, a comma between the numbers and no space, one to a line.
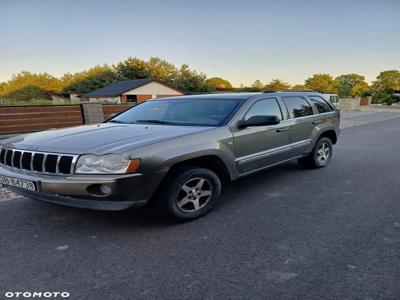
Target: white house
(138,90)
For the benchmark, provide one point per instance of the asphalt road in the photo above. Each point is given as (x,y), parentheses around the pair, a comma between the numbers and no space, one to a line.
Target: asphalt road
(286,233)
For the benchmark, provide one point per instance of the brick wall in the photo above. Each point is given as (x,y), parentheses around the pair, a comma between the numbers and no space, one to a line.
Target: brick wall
(123,98)
(142,98)
(163,96)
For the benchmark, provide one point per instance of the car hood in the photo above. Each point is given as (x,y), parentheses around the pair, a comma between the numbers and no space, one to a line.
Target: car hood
(99,138)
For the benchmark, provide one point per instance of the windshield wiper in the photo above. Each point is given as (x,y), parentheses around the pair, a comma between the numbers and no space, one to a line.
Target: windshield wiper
(117,121)
(156,122)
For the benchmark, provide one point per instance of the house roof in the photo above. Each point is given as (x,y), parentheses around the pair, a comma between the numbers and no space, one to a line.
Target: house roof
(121,87)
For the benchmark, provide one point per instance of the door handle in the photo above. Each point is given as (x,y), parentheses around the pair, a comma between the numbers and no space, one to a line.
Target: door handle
(282,129)
(317,122)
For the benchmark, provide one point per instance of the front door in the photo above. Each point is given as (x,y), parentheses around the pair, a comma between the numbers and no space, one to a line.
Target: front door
(260,146)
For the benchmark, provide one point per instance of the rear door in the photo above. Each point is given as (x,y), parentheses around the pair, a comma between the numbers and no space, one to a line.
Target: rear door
(258,147)
(327,113)
(303,122)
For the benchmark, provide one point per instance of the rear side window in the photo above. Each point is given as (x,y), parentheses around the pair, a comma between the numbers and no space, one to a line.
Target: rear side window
(265,107)
(297,106)
(321,104)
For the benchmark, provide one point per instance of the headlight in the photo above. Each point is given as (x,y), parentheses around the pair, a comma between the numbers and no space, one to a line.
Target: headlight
(106,164)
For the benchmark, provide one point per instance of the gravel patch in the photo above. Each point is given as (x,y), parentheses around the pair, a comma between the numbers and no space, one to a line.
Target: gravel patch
(6,195)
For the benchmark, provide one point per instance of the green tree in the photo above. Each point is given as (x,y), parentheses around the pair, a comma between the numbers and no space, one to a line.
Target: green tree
(249,89)
(28,93)
(219,83)
(387,81)
(323,83)
(26,85)
(257,85)
(90,80)
(162,70)
(133,68)
(37,85)
(351,85)
(276,85)
(298,87)
(190,80)
(181,78)
(3,86)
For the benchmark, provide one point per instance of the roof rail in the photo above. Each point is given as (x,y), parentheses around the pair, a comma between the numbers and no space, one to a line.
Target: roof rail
(300,91)
(296,91)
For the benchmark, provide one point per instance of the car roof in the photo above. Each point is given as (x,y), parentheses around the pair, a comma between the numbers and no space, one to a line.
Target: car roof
(240,96)
(226,96)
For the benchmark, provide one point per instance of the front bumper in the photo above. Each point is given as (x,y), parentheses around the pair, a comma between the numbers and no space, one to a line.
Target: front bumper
(83,191)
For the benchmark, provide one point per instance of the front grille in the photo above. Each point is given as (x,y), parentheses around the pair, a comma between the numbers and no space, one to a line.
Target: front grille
(53,163)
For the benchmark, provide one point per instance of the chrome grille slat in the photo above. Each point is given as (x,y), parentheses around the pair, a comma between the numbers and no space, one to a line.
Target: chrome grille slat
(58,164)
(32,157)
(20,159)
(12,158)
(44,163)
(28,164)
(5,157)
(74,159)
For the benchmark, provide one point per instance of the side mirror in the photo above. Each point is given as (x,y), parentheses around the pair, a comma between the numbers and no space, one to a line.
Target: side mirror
(259,121)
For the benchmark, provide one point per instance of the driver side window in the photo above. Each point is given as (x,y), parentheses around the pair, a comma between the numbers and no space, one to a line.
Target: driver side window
(265,107)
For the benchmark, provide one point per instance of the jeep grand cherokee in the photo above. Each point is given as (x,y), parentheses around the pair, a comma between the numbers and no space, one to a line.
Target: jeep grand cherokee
(174,151)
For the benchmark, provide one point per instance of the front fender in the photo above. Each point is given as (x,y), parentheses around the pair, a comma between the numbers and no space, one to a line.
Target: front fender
(164,155)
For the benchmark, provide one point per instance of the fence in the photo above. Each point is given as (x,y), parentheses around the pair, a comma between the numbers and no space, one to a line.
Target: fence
(109,109)
(21,119)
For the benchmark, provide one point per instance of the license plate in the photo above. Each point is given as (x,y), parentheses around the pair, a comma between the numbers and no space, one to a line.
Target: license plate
(21,183)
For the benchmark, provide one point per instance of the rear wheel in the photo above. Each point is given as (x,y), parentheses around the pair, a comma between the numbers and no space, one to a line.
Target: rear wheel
(190,193)
(320,156)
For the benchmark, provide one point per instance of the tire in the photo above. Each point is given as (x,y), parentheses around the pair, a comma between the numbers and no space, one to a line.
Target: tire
(190,193)
(320,156)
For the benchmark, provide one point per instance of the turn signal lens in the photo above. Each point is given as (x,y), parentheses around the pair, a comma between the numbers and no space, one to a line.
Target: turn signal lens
(133,165)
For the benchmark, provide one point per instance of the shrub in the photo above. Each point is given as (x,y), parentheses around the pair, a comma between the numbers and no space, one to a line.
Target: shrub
(381,97)
(389,101)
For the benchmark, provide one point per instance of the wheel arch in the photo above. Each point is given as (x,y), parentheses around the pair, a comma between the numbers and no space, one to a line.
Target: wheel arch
(210,161)
(330,134)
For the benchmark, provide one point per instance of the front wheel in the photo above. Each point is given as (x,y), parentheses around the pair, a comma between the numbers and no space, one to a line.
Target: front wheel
(191,193)
(320,156)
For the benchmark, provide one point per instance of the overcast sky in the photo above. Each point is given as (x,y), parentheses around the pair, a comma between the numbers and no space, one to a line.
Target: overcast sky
(239,40)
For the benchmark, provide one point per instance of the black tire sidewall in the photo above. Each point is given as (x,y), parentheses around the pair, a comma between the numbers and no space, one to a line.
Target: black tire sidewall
(317,163)
(175,185)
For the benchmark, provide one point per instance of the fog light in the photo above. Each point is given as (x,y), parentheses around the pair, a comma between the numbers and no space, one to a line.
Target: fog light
(105,189)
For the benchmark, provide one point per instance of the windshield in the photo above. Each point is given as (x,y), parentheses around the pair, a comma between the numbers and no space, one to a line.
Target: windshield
(193,112)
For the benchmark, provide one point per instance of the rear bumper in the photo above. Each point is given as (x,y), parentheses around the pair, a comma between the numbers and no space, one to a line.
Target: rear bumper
(84,191)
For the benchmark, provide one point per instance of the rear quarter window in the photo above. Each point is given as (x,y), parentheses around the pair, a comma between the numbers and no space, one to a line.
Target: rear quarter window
(321,104)
(297,106)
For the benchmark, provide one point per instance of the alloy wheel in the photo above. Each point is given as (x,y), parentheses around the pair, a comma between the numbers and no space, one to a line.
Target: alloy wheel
(194,194)
(323,153)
